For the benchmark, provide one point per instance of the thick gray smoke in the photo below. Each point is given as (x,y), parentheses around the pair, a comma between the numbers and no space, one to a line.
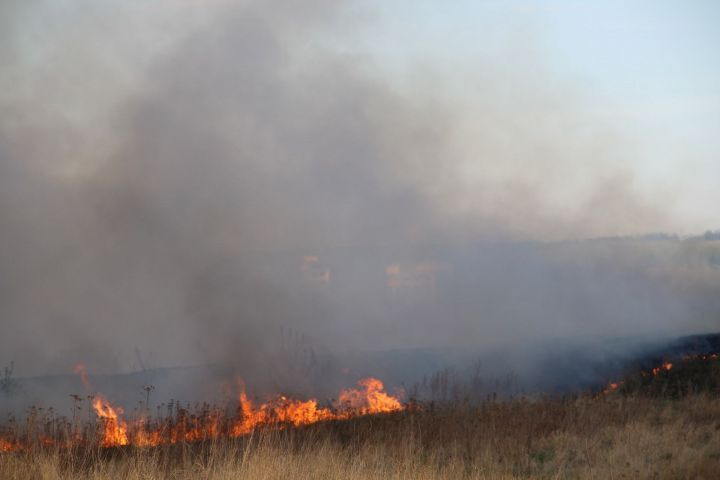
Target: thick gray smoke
(169,171)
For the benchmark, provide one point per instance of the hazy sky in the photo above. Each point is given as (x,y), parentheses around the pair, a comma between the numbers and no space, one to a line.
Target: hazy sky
(652,68)
(638,80)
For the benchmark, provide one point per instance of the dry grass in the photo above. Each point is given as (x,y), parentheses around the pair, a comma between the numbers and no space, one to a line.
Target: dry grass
(603,438)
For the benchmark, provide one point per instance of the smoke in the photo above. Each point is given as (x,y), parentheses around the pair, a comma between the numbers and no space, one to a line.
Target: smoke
(164,168)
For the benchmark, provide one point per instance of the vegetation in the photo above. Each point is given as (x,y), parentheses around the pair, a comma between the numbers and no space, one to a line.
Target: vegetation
(608,436)
(691,375)
(657,424)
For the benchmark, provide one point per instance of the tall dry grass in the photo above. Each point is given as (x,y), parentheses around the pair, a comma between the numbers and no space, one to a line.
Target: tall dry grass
(599,438)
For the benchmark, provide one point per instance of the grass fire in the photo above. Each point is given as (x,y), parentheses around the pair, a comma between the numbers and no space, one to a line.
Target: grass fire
(629,432)
(320,239)
(208,423)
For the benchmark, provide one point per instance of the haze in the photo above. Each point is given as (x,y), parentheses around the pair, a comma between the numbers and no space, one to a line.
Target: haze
(169,169)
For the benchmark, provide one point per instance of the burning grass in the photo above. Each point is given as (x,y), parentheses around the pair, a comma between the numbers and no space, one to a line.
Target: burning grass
(661,423)
(686,375)
(183,425)
(585,437)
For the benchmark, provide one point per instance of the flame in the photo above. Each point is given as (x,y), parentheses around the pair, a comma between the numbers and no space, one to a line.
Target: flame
(279,413)
(6,446)
(145,437)
(612,386)
(664,367)
(370,399)
(115,430)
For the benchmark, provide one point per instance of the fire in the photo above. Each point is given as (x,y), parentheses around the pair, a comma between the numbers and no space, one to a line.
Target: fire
(115,430)
(213,423)
(706,357)
(612,386)
(278,412)
(145,437)
(370,399)
(666,366)
(6,446)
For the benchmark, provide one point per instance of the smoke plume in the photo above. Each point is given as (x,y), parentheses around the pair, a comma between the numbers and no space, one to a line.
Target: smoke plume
(169,171)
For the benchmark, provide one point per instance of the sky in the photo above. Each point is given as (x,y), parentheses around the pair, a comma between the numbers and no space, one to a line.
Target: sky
(650,67)
(642,77)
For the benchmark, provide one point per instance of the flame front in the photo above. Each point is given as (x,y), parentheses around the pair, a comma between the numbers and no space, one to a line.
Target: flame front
(278,412)
(213,423)
(662,368)
(370,399)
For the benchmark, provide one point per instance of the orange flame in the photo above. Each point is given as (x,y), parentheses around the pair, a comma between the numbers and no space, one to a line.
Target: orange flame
(370,399)
(6,446)
(667,366)
(114,428)
(279,413)
(664,367)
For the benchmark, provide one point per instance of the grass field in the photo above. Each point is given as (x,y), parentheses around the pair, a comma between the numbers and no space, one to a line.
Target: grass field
(605,437)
